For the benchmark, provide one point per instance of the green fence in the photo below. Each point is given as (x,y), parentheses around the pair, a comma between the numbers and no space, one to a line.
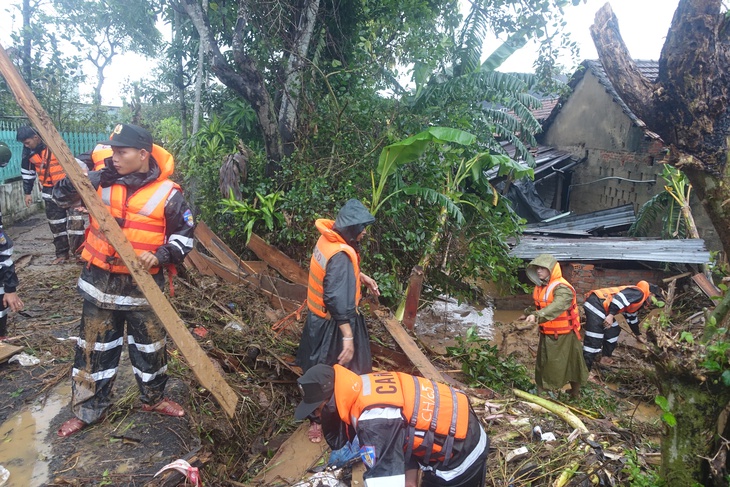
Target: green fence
(78,143)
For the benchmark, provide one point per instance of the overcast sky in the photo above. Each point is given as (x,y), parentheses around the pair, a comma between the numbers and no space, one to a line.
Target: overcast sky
(643,24)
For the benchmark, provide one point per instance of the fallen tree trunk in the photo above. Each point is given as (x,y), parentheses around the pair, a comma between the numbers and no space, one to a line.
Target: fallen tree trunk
(201,365)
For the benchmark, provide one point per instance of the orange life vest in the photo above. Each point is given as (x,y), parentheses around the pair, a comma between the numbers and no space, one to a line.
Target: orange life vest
(606,295)
(435,413)
(140,215)
(48,168)
(100,153)
(329,243)
(569,320)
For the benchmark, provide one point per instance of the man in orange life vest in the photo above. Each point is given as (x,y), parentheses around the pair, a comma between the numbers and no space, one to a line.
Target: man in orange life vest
(157,221)
(559,358)
(67,225)
(335,329)
(402,422)
(601,306)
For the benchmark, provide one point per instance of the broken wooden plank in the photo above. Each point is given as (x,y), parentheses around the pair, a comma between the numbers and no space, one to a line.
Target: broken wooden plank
(201,365)
(7,351)
(195,260)
(292,459)
(277,259)
(409,347)
(219,249)
(706,286)
(234,277)
(414,296)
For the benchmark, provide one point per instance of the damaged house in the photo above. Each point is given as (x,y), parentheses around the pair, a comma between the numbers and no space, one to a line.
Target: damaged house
(612,167)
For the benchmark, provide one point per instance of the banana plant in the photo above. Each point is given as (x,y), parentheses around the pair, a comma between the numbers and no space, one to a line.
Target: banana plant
(455,172)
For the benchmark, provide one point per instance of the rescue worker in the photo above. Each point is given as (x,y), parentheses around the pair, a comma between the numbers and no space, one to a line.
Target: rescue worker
(157,221)
(559,358)
(9,299)
(67,225)
(601,307)
(402,422)
(335,330)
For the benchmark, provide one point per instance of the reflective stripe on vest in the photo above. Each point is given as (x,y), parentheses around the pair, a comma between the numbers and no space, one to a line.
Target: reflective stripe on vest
(323,252)
(606,295)
(141,217)
(568,321)
(435,414)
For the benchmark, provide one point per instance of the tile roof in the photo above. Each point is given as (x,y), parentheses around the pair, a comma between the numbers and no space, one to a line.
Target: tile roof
(648,68)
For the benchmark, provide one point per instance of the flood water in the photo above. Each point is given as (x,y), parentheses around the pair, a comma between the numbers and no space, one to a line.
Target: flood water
(24,449)
(447,317)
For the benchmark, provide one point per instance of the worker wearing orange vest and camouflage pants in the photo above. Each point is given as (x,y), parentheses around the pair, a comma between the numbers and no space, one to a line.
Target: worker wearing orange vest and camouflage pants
(67,225)
(601,306)
(335,329)
(134,185)
(402,422)
(559,358)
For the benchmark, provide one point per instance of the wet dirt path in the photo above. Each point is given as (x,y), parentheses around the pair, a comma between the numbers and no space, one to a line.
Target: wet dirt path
(125,449)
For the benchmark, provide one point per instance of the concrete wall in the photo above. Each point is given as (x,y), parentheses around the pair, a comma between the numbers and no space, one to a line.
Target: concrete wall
(592,125)
(12,202)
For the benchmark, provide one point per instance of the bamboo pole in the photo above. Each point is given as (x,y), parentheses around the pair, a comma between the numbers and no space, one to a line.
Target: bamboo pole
(199,362)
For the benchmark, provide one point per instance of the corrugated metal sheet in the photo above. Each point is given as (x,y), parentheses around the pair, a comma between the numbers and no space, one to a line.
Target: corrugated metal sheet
(684,251)
(614,219)
(547,161)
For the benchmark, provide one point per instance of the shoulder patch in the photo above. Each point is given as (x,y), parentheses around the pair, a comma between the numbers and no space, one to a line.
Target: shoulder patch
(367,453)
(188,216)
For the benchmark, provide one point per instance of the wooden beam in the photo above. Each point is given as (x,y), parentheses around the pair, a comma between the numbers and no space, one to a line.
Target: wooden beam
(219,249)
(201,365)
(277,259)
(409,347)
(7,351)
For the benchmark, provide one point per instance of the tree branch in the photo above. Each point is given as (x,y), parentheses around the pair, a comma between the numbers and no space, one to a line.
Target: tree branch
(633,88)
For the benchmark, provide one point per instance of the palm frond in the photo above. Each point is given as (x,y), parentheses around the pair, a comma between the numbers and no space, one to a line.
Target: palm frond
(472,39)
(649,213)
(434,197)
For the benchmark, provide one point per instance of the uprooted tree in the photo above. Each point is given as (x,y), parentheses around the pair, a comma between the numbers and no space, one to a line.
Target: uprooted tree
(689,107)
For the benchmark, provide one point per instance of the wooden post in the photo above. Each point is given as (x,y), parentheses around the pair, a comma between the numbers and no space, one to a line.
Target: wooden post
(199,362)
(415,285)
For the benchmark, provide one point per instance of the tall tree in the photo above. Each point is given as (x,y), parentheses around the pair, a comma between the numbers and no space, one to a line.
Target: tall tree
(275,58)
(689,107)
(104,28)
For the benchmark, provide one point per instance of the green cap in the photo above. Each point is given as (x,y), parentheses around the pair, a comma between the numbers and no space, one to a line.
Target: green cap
(5,154)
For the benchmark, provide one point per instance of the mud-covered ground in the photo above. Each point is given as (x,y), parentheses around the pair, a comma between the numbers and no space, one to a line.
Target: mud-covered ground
(241,331)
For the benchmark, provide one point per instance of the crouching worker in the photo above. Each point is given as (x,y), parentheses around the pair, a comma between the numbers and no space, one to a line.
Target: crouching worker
(151,210)
(602,330)
(403,423)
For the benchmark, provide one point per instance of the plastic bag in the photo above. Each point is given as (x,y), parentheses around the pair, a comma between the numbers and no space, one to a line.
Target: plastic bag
(343,456)
(24,359)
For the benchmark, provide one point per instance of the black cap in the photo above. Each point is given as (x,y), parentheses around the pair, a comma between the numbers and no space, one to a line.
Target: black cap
(128,135)
(655,290)
(317,386)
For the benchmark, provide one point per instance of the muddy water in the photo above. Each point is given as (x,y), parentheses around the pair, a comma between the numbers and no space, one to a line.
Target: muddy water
(24,449)
(447,317)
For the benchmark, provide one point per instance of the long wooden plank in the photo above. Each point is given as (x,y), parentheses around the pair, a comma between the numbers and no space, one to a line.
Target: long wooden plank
(201,365)
(707,287)
(277,259)
(409,347)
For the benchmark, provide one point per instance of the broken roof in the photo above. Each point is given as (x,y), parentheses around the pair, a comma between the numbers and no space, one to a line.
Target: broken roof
(607,220)
(678,251)
(649,69)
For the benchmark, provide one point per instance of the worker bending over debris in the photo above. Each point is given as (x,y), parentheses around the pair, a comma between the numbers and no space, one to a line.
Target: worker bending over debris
(402,422)
(157,221)
(601,306)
